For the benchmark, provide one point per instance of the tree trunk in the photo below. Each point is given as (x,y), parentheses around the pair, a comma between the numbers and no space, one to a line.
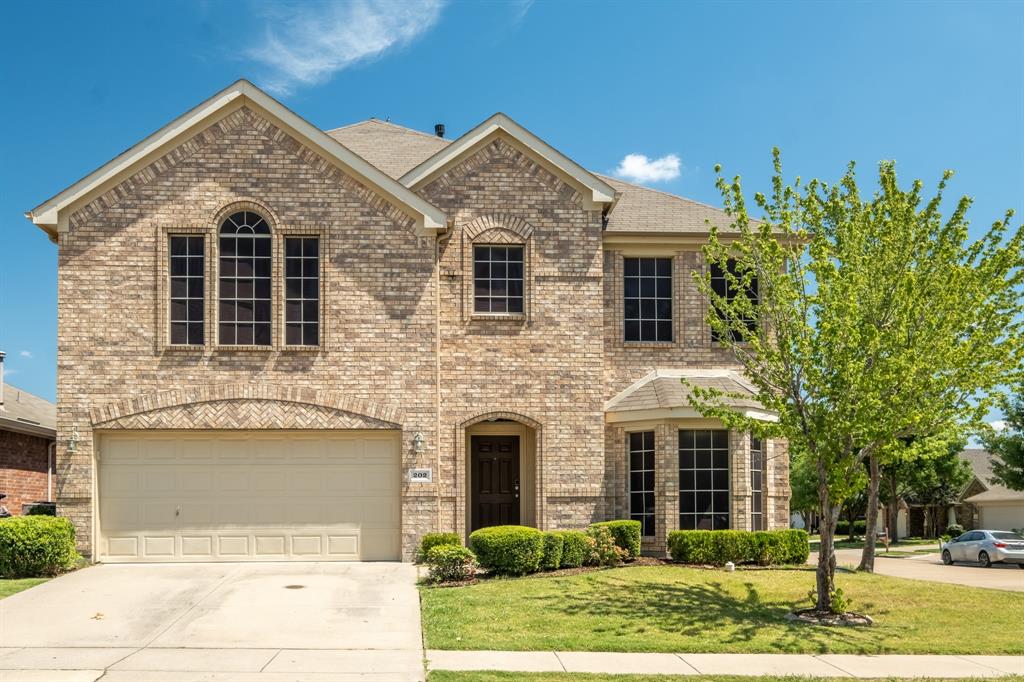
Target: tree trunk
(867,557)
(826,571)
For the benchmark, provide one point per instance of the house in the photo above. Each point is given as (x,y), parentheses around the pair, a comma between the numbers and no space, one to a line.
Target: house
(282,343)
(985,504)
(28,430)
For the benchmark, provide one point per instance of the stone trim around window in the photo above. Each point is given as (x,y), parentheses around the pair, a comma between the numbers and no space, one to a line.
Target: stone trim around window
(211,244)
(618,300)
(498,229)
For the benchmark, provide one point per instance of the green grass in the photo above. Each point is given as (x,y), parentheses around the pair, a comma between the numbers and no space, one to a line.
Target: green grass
(487,676)
(679,609)
(9,586)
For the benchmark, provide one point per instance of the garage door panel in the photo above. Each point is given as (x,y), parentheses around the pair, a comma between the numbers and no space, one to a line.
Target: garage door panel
(249,496)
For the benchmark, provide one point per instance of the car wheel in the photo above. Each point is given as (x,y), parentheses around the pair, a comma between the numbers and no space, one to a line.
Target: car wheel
(984,560)
(1020,565)
(948,560)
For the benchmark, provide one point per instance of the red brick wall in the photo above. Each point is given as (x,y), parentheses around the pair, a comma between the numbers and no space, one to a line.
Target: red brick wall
(22,469)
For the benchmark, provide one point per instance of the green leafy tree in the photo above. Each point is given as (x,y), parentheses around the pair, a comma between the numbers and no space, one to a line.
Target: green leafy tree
(874,321)
(803,486)
(1007,446)
(938,483)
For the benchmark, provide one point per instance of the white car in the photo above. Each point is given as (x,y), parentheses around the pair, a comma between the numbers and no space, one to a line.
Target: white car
(985,547)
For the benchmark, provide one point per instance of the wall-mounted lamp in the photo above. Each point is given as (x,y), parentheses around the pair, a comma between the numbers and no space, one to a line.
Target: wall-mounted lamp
(417,441)
(73,439)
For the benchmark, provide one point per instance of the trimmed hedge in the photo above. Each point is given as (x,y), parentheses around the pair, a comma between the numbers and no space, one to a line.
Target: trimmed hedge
(508,550)
(626,534)
(843,527)
(553,544)
(450,563)
(717,547)
(575,548)
(431,540)
(33,546)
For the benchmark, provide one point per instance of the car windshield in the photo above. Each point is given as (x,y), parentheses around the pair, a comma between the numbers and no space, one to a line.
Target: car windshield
(1006,535)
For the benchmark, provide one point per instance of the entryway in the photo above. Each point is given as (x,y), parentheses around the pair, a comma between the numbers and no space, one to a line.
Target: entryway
(500,458)
(496,481)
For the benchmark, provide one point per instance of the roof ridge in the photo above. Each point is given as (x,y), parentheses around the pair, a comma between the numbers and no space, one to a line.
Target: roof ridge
(374,119)
(660,191)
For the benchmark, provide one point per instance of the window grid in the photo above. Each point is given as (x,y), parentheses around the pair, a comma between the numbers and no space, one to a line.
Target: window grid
(245,290)
(641,480)
(703,479)
(497,279)
(647,299)
(187,280)
(756,484)
(720,285)
(302,291)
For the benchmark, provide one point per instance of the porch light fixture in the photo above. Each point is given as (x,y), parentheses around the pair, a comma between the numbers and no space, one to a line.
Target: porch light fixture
(417,441)
(73,439)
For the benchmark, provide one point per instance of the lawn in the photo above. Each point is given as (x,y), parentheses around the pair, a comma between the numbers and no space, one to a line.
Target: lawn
(483,676)
(13,586)
(678,609)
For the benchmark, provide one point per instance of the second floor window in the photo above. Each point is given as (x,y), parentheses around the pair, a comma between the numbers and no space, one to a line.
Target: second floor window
(302,291)
(244,299)
(497,279)
(187,286)
(721,285)
(647,289)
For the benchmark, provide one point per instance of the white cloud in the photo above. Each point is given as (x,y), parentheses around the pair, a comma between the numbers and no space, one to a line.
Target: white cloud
(998,425)
(26,354)
(307,43)
(639,168)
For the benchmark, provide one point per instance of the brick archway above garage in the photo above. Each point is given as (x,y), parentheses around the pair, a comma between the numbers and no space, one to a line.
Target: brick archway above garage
(246,406)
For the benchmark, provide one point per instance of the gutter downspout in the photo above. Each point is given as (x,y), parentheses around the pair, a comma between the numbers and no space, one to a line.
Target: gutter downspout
(437,368)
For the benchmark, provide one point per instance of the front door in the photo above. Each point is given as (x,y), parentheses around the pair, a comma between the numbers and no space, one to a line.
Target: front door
(495,490)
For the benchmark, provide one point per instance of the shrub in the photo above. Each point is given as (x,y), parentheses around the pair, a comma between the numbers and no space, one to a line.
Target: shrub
(954,530)
(508,550)
(626,535)
(603,551)
(575,548)
(431,540)
(450,563)
(717,547)
(33,546)
(843,527)
(553,544)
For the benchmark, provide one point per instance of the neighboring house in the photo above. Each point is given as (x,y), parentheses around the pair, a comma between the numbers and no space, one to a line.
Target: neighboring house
(27,433)
(279,343)
(985,504)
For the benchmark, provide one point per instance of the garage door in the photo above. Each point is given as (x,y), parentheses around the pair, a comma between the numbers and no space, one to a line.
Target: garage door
(249,496)
(1002,516)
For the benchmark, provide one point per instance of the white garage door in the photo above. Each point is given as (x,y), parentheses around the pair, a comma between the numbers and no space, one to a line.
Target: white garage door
(1002,516)
(249,496)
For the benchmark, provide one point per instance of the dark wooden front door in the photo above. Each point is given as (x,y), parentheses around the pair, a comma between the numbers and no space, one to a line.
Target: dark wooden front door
(495,492)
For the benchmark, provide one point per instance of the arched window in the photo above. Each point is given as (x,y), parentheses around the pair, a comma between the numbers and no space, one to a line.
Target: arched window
(244,293)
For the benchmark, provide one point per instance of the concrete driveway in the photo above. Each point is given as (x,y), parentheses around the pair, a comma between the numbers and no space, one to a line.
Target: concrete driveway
(929,567)
(182,622)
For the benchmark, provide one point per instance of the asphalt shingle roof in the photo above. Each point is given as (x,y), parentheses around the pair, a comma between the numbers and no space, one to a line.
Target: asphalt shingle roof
(27,410)
(981,465)
(392,148)
(664,389)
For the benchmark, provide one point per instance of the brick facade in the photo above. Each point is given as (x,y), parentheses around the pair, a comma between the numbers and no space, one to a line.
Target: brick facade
(23,464)
(400,345)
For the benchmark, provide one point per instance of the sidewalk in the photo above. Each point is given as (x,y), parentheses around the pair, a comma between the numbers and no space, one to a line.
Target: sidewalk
(823,665)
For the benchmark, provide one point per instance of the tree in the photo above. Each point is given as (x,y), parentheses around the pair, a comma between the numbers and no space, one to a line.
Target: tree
(873,320)
(1007,446)
(803,487)
(938,483)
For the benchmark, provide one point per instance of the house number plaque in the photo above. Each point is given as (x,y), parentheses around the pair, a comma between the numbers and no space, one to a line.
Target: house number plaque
(421,475)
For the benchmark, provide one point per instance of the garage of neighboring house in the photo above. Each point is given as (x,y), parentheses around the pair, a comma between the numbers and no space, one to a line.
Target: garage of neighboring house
(248,495)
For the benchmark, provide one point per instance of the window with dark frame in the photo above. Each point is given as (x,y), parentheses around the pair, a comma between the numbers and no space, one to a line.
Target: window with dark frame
(647,294)
(756,483)
(641,480)
(187,285)
(497,279)
(302,291)
(703,479)
(721,286)
(245,291)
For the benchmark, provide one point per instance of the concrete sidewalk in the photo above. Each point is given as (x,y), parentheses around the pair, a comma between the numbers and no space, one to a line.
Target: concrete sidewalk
(824,665)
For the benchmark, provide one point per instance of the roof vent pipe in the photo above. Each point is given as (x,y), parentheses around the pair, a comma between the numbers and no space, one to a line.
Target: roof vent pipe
(439,129)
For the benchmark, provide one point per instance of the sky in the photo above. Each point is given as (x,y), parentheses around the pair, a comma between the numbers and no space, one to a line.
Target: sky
(656,92)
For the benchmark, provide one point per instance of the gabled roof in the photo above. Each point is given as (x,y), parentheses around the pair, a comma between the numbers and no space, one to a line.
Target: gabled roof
(642,210)
(26,413)
(52,216)
(981,464)
(392,148)
(662,393)
(600,191)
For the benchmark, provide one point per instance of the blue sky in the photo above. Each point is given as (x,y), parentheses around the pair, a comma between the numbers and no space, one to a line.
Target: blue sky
(931,85)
